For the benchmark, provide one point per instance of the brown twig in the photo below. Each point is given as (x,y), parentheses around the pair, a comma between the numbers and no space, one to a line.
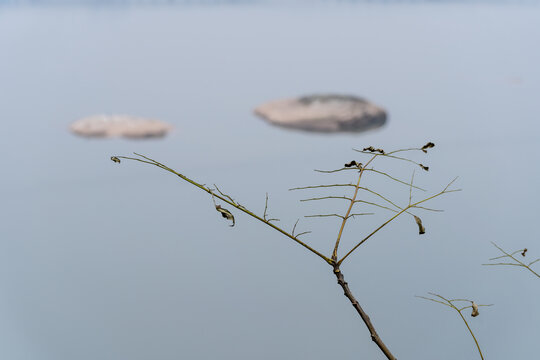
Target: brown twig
(333,259)
(374,335)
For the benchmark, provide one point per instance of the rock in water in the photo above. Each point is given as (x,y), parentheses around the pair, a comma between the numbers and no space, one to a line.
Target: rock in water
(119,125)
(323,113)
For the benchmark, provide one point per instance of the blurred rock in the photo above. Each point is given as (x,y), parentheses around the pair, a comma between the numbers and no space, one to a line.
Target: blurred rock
(119,125)
(323,113)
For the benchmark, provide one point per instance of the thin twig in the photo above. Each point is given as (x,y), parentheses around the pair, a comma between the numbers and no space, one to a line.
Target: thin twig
(227,196)
(375,204)
(449,303)
(535,261)
(228,200)
(379,195)
(265,216)
(327,197)
(428,209)
(516,262)
(388,155)
(294,227)
(393,178)
(319,186)
(346,216)
(444,191)
(347,185)
(359,214)
(410,189)
(323,215)
(333,171)
(265,206)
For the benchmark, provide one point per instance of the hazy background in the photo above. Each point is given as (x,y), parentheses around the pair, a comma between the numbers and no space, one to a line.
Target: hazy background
(107,261)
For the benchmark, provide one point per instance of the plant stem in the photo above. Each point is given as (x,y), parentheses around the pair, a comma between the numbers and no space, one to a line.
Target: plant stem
(346,217)
(347,292)
(472,334)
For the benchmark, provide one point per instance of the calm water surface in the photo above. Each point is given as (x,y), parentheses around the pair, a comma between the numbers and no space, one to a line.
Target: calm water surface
(107,261)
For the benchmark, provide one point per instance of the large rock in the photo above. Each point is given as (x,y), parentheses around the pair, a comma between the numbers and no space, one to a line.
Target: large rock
(323,113)
(119,125)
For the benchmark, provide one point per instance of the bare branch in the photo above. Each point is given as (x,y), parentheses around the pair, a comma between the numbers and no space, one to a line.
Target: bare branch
(502,264)
(403,150)
(349,185)
(449,303)
(327,197)
(227,199)
(319,186)
(336,215)
(381,196)
(333,171)
(365,317)
(444,191)
(359,214)
(375,204)
(388,155)
(505,256)
(393,178)
(294,227)
(349,209)
(430,299)
(265,216)
(516,261)
(450,184)
(428,209)
(227,196)
(324,215)
(410,189)
(265,206)
(396,209)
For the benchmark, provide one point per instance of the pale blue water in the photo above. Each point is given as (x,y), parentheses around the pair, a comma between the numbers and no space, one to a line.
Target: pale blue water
(106,261)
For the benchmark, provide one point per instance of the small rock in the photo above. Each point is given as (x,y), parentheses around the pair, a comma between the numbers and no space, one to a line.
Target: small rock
(323,113)
(119,125)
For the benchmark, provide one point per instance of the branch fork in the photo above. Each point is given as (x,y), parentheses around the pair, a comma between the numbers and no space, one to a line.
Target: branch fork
(332,259)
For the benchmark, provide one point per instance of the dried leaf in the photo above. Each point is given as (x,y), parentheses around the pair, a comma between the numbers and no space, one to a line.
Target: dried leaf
(427,146)
(115,159)
(372,149)
(475,312)
(424,167)
(421,228)
(353,163)
(523,252)
(225,213)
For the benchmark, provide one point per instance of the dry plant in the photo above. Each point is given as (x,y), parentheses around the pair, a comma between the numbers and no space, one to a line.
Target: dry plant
(450,303)
(513,261)
(335,259)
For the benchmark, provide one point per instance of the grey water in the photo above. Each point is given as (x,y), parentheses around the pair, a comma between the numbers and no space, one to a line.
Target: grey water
(125,261)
